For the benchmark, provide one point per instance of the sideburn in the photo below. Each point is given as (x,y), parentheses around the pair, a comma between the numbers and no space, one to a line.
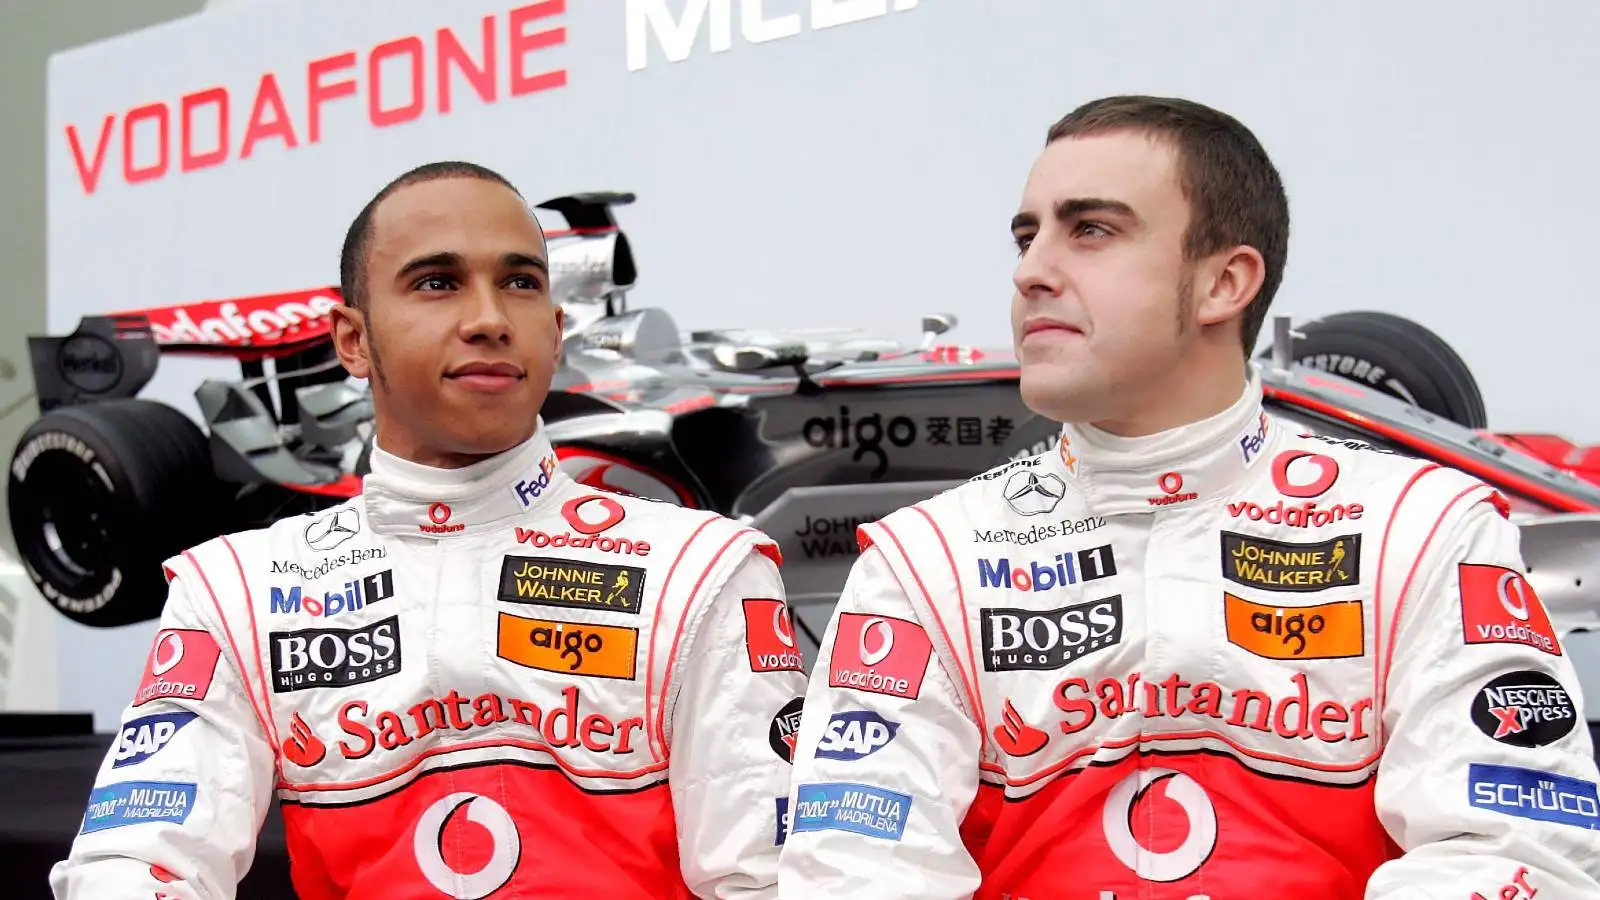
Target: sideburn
(377,358)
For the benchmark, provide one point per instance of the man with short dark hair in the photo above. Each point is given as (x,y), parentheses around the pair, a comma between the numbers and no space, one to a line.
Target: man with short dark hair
(1189,653)
(478,678)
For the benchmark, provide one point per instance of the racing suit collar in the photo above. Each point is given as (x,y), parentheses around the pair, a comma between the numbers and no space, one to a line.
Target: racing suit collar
(1189,464)
(403,497)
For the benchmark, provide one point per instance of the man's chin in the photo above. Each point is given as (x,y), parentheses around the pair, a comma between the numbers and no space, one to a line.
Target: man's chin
(1056,394)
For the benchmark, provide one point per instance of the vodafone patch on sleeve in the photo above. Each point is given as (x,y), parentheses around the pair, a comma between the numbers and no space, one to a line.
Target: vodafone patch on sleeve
(1498,606)
(880,655)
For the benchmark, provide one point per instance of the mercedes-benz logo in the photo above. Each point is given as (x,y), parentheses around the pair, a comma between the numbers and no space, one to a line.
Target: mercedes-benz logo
(333,529)
(1031,494)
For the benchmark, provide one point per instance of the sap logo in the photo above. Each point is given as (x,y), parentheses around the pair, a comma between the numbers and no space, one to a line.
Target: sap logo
(355,595)
(676,35)
(856,734)
(143,737)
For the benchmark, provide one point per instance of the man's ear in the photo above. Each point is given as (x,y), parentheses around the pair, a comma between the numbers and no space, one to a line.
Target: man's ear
(350,340)
(1234,277)
(561,328)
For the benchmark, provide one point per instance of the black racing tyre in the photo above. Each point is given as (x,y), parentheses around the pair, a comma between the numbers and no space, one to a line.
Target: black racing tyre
(1395,356)
(100,496)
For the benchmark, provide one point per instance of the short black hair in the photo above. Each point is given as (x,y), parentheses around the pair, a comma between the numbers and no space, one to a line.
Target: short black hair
(358,240)
(1235,193)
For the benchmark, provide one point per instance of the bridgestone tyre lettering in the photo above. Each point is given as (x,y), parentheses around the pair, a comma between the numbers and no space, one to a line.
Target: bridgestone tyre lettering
(100,496)
(1395,356)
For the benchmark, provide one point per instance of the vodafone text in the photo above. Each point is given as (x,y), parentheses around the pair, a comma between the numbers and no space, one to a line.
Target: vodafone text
(1293,716)
(558,726)
(399,76)
(760,21)
(1303,515)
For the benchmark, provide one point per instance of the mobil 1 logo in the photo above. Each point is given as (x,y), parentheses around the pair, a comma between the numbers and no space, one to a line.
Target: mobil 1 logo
(1029,639)
(334,657)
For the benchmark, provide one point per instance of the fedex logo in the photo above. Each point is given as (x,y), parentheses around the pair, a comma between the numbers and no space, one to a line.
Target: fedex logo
(528,491)
(354,595)
(1250,445)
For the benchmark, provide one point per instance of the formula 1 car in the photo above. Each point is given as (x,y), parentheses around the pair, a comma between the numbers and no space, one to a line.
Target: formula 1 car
(802,434)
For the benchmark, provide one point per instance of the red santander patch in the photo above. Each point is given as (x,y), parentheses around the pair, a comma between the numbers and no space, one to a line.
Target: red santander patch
(1498,606)
(879,655)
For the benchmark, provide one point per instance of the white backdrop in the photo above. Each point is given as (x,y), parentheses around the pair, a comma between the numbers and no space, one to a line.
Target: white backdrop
(813,162)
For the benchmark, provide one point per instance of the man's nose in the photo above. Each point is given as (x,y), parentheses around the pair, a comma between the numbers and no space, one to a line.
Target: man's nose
(485,316)
(1037,273)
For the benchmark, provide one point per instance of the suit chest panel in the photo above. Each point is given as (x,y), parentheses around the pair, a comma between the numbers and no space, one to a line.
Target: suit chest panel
(481,642)
(1211,628)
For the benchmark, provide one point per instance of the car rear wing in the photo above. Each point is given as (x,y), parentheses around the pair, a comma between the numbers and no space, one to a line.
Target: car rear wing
(115,355)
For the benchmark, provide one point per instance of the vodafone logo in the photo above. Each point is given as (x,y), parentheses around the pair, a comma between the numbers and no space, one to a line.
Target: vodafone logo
(877,632)
(1190,797)
(429,841)
(1311,478)
(1171,485)
(439,517)
(592,514)
(173,643)
(783,625)
(1511,589)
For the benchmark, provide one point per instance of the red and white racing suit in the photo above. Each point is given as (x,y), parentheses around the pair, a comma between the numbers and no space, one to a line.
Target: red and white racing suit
(481,683)
(1226,661)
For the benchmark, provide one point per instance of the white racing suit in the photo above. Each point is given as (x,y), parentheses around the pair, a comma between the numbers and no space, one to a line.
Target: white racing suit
(1227,661)
(485,683)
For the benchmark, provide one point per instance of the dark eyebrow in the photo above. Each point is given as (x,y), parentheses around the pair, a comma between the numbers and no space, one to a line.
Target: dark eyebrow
(448,260)
(1024,220)
(524,261)
(431,261)
(1071,209)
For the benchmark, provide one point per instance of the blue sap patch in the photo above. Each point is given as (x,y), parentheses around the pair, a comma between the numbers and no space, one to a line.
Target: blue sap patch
(855,734)
(142,737)
(856,808)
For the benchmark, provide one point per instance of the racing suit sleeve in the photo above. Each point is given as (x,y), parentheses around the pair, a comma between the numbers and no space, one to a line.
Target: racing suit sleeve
(182,793)
(727,761)
(1496,818)
(885,770)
